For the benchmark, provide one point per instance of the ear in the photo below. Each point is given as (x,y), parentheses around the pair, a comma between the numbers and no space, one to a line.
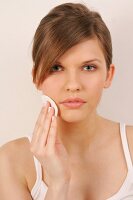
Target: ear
(110,75)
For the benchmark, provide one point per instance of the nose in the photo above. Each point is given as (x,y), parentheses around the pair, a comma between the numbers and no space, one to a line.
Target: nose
(73,82)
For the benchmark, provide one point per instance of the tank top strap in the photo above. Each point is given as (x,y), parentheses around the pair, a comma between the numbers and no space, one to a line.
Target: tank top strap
(38,168)
(125,145)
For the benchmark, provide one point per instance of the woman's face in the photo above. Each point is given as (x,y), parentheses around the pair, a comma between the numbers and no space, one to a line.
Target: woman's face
(80,72)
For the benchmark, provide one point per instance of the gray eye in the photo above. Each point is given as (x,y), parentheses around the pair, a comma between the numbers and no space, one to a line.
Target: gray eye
(90,67)
(55,68)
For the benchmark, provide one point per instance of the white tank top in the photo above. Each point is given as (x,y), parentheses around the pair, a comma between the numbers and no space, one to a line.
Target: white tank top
(39,190)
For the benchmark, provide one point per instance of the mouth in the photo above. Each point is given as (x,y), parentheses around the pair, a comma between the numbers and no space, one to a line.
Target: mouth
(73,104)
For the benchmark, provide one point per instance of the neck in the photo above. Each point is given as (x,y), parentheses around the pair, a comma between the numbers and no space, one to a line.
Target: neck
(77,136)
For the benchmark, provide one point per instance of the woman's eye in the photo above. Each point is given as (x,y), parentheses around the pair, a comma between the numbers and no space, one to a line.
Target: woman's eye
(55,68)
(90,67)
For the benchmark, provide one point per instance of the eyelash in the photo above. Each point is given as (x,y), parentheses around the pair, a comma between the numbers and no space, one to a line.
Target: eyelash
(61,66)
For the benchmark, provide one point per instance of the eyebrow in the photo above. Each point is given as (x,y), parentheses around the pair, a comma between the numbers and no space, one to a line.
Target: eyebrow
(87,61)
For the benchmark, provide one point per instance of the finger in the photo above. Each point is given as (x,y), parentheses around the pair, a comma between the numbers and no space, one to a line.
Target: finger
(46,128)
(42,115)
(58,139)
(40,123)
(52,135)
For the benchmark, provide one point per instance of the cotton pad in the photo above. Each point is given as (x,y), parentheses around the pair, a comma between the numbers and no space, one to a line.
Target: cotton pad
(53,104)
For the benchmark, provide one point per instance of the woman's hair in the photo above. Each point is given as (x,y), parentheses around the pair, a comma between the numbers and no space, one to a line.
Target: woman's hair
(63,27)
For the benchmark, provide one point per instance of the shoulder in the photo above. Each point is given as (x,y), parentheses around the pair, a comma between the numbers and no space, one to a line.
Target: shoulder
(129,133)
(17,159)
(15,150)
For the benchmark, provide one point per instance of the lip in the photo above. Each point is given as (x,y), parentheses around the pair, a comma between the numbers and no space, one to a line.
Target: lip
(70,100)
(73,104)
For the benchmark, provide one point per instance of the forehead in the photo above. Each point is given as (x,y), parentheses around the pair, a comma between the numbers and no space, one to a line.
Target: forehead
(87,50)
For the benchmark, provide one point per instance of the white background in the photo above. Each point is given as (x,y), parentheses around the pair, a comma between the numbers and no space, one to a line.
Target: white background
(20,102)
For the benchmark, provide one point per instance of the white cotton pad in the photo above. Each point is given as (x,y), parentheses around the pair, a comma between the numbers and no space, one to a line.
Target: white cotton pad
(53,104)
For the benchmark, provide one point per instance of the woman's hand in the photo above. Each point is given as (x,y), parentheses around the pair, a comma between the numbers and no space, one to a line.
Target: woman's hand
(48,148)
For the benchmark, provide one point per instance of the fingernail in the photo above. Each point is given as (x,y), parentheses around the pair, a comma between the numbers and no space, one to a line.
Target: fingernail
(49,109)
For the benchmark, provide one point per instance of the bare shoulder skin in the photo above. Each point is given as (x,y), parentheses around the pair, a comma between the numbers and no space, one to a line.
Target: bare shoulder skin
(17,170)
(129,131)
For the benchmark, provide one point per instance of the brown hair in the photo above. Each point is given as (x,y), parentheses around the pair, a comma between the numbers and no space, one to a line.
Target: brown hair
(63,27)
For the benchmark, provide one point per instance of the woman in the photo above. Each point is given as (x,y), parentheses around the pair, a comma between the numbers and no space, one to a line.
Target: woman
(78,154)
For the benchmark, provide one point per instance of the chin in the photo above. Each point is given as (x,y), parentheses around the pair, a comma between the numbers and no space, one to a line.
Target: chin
(73,116)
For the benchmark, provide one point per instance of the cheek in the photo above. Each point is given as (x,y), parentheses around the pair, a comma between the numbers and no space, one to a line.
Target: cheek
(94,83)
(51,85)
(95,89)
